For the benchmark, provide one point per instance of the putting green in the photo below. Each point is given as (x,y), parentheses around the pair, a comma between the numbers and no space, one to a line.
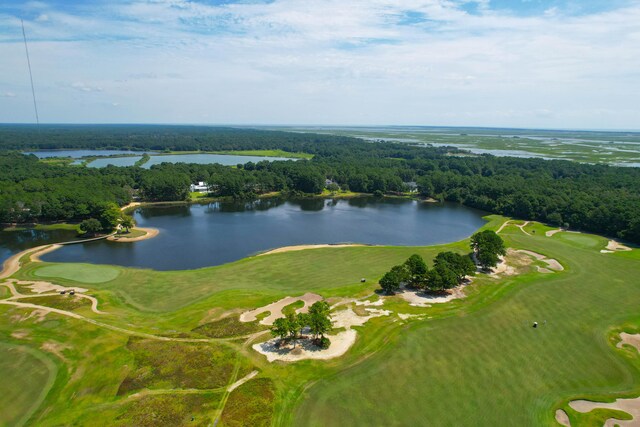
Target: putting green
(27,376)
(84,273)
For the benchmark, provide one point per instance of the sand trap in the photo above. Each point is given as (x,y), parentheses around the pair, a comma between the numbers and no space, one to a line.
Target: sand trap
(630,406)
(340,343)
(605,251)
(552,264)
(275,309)
(632,340)
(422,299)
(150,234)
(304,247)
(549,234)
(242,381)
(616,246)
(42,287)
(377,303)
(544,270)
(406,316)
(562,418)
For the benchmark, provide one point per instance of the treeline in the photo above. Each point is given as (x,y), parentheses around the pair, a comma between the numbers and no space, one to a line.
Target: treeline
(595,198)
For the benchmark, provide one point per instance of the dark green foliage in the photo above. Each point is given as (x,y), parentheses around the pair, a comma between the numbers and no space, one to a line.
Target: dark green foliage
(417,270)
(110,217)
(487,246)
(597,198)
(391,281)
(323,342)
(318,319)
(440,278)
(127,222)
(280,328)
(461,265)
(91,226)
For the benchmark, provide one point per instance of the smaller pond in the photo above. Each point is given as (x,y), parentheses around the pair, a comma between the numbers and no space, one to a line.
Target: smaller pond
(114,161)
(12,242)
(205,159)
(76,154)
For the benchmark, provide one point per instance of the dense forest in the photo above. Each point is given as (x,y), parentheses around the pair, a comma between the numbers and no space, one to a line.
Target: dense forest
(595,198)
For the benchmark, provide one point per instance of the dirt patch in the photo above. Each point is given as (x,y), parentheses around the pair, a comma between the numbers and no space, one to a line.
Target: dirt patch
(150,234)
(632,340)
(617,246)
(242,381)
(552,264)
(42,287)
(55,348)
(20,334)
(562,418)
(304,247)
(305,349)
(275,308)
(630,406)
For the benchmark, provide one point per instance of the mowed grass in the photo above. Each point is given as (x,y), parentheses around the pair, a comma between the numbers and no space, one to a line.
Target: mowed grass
(488,366)
(27,376)
(83,273)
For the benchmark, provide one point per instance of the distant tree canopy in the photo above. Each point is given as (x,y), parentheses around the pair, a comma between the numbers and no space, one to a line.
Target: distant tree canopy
(595,198)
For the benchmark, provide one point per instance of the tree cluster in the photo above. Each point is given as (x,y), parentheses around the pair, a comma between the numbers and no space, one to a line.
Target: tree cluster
(317,320)
(487,248)
(449,270)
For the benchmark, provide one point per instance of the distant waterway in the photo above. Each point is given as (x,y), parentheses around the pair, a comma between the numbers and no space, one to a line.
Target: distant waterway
(194,236)
(76,154)
(14,241)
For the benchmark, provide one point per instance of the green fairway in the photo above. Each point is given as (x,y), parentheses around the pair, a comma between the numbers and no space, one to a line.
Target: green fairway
(83,273)
(472,361)
(490,367)
(27,376)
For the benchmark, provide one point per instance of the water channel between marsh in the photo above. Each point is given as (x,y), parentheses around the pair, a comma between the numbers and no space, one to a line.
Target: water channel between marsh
(194,236)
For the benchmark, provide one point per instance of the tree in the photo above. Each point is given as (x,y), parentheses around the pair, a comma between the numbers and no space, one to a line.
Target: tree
(318,319)
(390,282)
(127,222)
(441,277)
(91,226)
(487,246)
(294,327)
(417,269)
(110,217)
(280,328)
(461,265)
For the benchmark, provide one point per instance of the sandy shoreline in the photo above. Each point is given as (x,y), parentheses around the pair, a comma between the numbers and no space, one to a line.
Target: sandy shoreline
(305,247)
(150,234)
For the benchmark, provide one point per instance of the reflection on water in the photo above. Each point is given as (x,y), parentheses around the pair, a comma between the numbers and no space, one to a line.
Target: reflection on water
(193,236)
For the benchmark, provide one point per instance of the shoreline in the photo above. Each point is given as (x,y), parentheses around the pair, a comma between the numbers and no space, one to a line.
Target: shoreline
(295,248)
(150,234)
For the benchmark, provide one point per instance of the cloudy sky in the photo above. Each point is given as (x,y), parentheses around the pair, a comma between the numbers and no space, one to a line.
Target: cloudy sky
(511,63)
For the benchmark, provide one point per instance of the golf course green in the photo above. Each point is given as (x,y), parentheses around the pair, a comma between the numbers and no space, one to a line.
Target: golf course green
(169,348)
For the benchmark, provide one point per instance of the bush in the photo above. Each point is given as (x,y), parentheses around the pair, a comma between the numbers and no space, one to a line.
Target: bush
(323,343)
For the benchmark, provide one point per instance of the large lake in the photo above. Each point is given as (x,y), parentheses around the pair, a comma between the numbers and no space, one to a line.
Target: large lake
(12,242)
(223,159)
(193,236)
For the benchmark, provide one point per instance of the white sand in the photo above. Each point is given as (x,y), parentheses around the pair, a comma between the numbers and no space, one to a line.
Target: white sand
(150,234)
(616,246)
(549,234)
(630,406)
(562,418)
(304,247)
(376,303)
(242,381)
(340,343)
(632,340)
(422,299)
(42,287)
(275,309)
(552,264)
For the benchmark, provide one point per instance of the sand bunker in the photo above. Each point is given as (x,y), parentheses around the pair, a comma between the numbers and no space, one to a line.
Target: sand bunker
(42,287)
(304,349)
(562,418)
(275,309)
(422,299)
(552,264)
(632,340)
(616,246)
(630,406)
(377,303)
(549,234)
(150,234)
(304,247)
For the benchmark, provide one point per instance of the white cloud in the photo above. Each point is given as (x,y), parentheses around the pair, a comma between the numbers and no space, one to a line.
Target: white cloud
(332,61)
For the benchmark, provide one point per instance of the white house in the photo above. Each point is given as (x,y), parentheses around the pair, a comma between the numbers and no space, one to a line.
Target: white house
(200,187)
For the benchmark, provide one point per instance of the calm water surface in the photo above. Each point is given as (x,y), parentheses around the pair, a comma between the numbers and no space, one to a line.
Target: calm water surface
(194,236)
(76,154)
(204,159)
(12,242)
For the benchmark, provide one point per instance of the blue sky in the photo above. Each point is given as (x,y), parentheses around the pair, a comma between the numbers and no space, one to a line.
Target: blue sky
(518,63)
